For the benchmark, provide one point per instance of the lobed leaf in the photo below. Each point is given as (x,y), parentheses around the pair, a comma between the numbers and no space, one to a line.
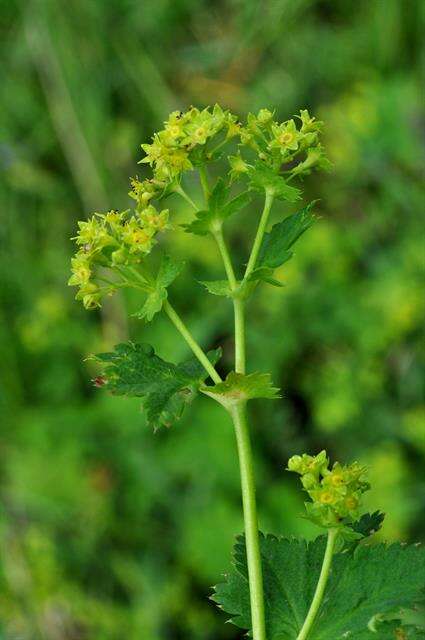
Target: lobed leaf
(168,272)
(238,386)
(220,208)
(365,583)
(218,287)
(276,246)
(135,370)
(369,523)
(262,177)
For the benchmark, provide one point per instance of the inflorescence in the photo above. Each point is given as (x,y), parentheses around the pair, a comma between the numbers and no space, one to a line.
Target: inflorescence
(335,493)
(117,241)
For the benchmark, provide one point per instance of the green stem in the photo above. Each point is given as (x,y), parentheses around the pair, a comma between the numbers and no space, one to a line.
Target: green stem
(238,304)
(260,233)
(179,189)
(184,331)
(204,182)
(217,147)
(321,585)
(239,313)
(219,238)
(251,522)
(238,414)
(243,440)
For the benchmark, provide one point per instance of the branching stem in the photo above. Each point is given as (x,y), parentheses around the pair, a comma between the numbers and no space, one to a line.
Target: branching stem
(260,234)
(321,585)
(188,337)
(227,261)
(179,189)
(246,465)
(238,411)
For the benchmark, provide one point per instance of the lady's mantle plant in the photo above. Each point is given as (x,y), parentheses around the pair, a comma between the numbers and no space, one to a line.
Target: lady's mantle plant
(337,586)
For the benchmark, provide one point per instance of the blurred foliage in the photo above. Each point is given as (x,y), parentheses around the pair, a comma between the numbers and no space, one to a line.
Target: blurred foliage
(109,531)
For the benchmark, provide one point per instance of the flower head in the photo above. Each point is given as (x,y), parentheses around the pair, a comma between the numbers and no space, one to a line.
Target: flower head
(113,240)
(278,143)
(335,493)
(172,150)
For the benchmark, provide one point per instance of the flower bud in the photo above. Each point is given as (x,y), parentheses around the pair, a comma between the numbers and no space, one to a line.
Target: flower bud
(309,481)
(295,464)
(264,116)
(119,256)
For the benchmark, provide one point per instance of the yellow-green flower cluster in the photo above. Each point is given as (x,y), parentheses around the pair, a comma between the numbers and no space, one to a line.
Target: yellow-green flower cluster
(112,240)
(282,143)
(189,139)
(172,150)
(335,492)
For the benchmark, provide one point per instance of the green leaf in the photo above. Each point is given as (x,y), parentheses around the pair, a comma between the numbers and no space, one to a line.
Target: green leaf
(168,272)
(135,370)
(218,287)
(238,386)
(277,243)
(369,523)
(275,248)
(367,582)
(262,177)
(201,226)
(220,208)
(218,195)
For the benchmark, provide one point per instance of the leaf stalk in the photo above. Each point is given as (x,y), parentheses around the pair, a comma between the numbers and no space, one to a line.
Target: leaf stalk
(321,585)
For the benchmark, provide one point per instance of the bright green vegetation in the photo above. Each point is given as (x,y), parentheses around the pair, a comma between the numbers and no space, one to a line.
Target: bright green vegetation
(278,590)
(107,526)
(113,251)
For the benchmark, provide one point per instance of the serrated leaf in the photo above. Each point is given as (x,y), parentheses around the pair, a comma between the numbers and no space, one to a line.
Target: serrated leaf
(135,370)
(220,208)
(369,581)
(266,275)
(201,225)
(391,631)
(369,523)
(276,246)
(218,287)
(262,177)
(218,195)
(238,386)
(168,272)
(237,203)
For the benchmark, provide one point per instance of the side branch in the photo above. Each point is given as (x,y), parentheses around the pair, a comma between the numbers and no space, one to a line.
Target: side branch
(197,350)
(321,585)
(260,233)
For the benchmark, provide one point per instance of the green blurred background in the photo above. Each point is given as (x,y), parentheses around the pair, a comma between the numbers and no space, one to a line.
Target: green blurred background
(108,531)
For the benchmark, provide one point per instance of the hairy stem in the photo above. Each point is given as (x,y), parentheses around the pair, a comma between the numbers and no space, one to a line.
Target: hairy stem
(321,585)
(260,233)
(251,522)
(184,331)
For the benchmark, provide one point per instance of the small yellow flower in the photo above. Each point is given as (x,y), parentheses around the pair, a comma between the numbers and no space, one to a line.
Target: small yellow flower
(327,497)
(286,137)
(351,502)
(81,271)
(237,166)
